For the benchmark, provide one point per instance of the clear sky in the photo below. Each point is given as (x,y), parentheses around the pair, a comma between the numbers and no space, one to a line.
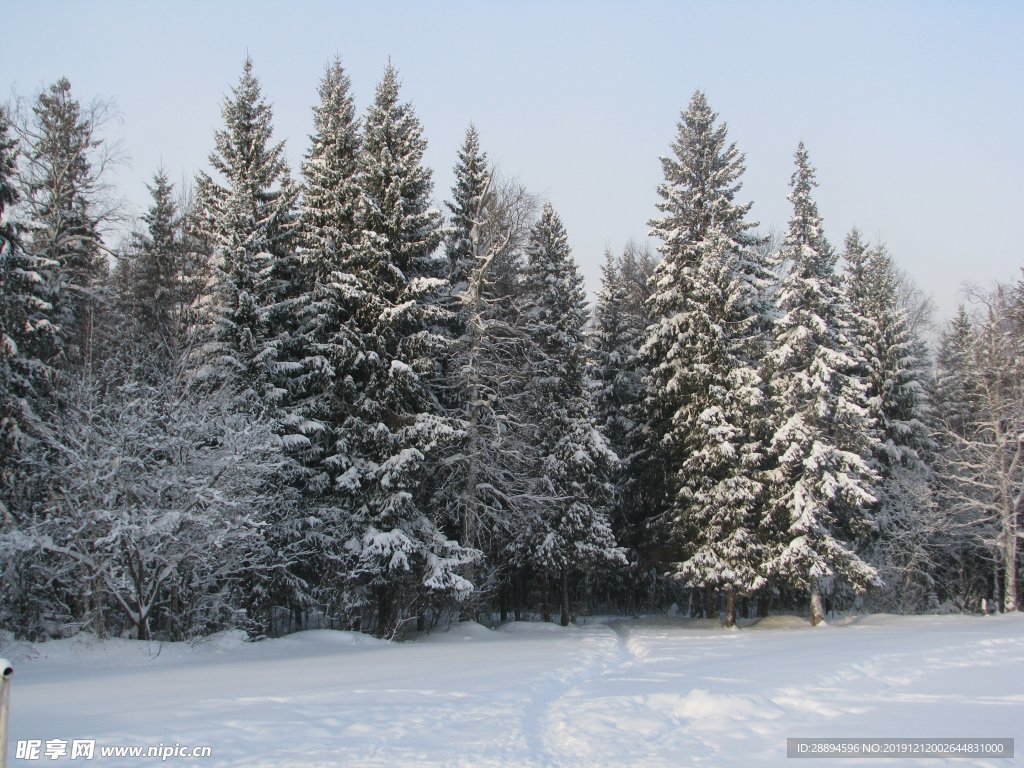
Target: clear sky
(911,111)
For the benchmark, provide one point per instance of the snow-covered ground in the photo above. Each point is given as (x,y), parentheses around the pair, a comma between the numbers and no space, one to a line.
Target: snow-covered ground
(654,692)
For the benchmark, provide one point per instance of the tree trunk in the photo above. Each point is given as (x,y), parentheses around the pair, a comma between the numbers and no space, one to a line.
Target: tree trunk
(730,607)
(564,590)
(175,617)
(97,608)
(817,609)
(1010,565)
(503,602)
(518,590)
(710,603)
(387,613)
(997,591)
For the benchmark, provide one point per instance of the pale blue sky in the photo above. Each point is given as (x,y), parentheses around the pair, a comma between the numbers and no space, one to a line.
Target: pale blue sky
(912,111)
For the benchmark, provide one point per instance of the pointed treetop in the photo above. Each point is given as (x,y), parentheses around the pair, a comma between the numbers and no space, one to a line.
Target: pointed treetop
(388,87)
(335,102)
(702,180)
(805,241)
(243,154)
(548,239)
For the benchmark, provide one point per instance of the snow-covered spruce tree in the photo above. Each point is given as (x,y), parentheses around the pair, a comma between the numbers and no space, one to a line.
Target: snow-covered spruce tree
(247,339)
(250,220)
(612,350)
(821,480)
(63,164)
(325,349)
(474,179)
(616,388)
(149,279)
(894,357)
(894,366)
(635,266)
(403,560)
(26,338)
(721,491)
(702,178)
(709,317)
(25,327)
(571,534)
(471,205)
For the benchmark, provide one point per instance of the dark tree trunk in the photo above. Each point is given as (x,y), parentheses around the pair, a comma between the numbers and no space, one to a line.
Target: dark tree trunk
(387,613)
(518,594)
(503,602)
(730,607)
(564,594)
(710,603)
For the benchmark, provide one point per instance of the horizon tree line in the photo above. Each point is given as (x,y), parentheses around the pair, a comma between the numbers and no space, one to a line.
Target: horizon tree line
(317,402)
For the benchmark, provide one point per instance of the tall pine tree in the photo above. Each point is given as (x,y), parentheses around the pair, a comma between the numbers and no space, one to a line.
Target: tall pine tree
(250,218)
(821,481)
(571,532)
(703,389)
(404,561)
(894,366)
(63,166)
(26,335)
(151,279)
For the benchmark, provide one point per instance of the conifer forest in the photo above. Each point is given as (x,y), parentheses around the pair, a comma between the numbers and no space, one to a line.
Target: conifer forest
(312,397)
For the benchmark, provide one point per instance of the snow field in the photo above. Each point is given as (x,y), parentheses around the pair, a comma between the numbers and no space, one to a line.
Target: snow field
(653,692)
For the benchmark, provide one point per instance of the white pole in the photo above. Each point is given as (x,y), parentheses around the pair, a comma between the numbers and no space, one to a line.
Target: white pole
(5,697)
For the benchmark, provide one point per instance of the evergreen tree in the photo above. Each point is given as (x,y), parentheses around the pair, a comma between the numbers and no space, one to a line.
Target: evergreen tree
(332,244)
(328,353)
(151,277)
(894,367)
(635,267)
(956,393)
(248,334)
(571,533)
(25,332)
(612,351)
(473,180)
(61,178)
(821,482)
(250,220)
(398,185)
(709,320)
(721,492)
(403,558)
(472,202)
(616,378)
(702,179)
